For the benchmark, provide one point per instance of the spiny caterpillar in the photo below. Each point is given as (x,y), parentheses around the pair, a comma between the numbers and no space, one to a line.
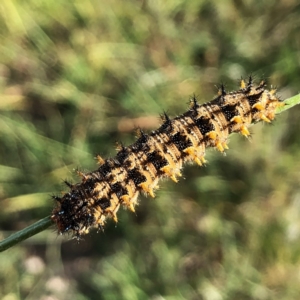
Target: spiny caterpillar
(138,167)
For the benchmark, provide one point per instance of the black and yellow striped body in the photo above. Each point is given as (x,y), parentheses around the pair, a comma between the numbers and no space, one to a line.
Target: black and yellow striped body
(162,153)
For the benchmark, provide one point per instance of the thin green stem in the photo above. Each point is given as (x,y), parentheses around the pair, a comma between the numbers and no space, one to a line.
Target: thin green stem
(289,103)
(25,233)
(41,225)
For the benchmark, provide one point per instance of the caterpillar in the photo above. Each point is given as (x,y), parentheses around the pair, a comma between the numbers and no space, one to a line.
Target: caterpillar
(138,168)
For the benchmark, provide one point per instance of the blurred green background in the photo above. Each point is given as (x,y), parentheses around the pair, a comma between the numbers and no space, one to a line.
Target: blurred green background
(77,76)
